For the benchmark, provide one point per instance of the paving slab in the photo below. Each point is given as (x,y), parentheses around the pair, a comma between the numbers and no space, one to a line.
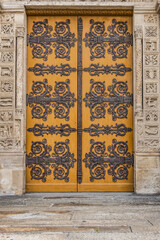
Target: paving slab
(57,236)
(82,216)
(115,236)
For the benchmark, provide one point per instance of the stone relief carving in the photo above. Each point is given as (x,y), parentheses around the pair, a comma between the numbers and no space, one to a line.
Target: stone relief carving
(6,86)
(151,60)
(151,102)
(6,116)
(7,57)
(151,130)
(6,131)
(150,31)
(151,116)
(7,28)
(151,143)
(6,102)
(151,46)
(6,71)
(8,18)
(6,144)
(6,43)
(150,18)
(151,73)
(151,87)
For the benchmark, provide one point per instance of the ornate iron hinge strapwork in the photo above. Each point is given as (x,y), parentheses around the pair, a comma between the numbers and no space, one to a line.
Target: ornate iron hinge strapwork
(66,69)
(41,100)
(118,130)
(117,39)
(118,99)
(118,160)
(42,39)
(118,69)
(41,161)
(62,70)
(62,130)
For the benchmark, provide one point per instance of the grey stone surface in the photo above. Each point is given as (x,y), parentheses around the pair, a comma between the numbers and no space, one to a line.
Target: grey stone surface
(145,83)
(71,216)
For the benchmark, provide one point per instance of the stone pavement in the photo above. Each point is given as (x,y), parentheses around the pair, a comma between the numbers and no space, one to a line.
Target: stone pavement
(80,216)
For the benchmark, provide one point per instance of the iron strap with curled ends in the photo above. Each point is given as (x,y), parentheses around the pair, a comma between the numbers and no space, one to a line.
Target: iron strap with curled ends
(41,161)
(117,160)
(62,70)
(97,69)
(41,100)
(97,129)
(66,69)
(116,38)
(42,39)
(41,130)
(118,99)
(66,130)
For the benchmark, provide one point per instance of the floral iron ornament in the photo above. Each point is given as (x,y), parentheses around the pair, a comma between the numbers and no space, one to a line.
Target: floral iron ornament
(117,39)
(62,69)
(118,160)
(118,99)
(97,69)
(66,69)
(41,161)
(62,130)
(97,130)
(41,100)
(42,40)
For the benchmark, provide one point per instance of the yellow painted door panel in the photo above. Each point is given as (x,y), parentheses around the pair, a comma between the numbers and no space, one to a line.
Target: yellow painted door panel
(107,139)
(79,104)
(51,104)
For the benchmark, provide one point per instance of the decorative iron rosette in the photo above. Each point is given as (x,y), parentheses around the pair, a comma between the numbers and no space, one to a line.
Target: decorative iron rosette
(43,39)
(41,161)
(42,100)
(117,99)
(117,39)
(117,160)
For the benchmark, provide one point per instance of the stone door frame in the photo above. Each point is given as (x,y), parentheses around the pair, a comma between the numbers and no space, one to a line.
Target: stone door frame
(145,84)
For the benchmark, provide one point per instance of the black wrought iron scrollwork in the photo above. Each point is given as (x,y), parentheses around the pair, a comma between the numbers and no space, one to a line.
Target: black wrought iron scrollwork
(118,69)
(62,70)
(41,100)
(118,100)
(117,160)
(41,129)
(42,39)
(116,38)
(66,69)
(41,161)
(118,130)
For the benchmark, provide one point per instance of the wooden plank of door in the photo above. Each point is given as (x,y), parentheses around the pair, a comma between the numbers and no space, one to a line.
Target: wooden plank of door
(51,104)
(107,137)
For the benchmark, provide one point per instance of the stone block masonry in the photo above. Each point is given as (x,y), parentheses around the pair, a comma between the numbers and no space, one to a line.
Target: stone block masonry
(145,81)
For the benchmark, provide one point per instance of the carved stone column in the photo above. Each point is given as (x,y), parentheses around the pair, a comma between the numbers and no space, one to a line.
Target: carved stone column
(139,68)
(19,66)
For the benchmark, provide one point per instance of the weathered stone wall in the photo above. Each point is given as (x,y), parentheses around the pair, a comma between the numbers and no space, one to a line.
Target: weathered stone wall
(12,96)
(13,89)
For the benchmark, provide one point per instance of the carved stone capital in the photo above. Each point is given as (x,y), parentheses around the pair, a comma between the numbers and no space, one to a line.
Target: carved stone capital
(20,31)
(138,32)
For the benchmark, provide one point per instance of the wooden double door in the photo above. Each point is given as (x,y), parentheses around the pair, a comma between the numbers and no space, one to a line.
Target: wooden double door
(79,104)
